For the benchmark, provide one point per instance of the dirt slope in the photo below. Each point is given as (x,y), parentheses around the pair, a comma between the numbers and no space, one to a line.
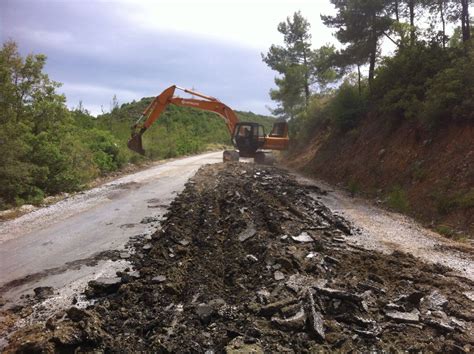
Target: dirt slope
(247,261)
(426,174)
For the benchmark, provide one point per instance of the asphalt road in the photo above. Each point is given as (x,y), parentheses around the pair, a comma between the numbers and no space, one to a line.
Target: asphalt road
(37,249)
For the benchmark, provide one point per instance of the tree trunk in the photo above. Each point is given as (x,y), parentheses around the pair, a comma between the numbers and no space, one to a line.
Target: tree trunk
(465,25)
(411,7)
(373,52)
(443,21)
(397,15)
(358,72)
(306,80)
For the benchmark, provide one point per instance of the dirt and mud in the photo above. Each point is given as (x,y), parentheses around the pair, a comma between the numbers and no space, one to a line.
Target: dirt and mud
(247,261)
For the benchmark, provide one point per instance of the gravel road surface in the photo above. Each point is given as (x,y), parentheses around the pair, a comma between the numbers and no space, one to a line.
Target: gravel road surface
(47,247)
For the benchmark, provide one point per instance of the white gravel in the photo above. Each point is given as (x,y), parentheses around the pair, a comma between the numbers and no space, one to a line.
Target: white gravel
(386,231)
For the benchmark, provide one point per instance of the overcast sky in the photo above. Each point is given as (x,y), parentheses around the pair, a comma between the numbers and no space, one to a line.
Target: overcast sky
(138,48)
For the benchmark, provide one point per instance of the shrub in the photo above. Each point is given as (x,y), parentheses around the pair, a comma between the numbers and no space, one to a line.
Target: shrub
(347,106)
(397,200)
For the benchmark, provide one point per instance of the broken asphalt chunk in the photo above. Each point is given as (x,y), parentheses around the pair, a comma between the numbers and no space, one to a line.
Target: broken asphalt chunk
(103,286)
(249,232)
(43,292)
(338,294)
(295,322)
(315,319)
(278,275)
(158,279)
(303,237)
(409,317)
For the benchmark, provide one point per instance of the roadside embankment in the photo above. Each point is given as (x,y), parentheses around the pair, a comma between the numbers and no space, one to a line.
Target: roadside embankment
(425,174)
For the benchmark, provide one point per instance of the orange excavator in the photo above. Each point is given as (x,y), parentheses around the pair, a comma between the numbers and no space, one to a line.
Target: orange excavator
(248,138)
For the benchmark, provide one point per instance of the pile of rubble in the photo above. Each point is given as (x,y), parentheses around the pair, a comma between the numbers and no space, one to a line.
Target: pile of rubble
(247,261)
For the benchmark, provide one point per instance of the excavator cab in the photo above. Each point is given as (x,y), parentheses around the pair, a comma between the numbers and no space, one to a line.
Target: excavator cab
(248,138)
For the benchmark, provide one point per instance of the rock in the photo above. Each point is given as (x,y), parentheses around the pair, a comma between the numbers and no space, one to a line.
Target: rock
(272,308)
(204,312)
(43,292)
(158,279)
(409,317)
(103,286)
(435,300)
(339,294)
(278,275)
(315,319)
(296,322)
(303,237)
(67,335)
(76,314)
(370,285)
(217,303)
(263,295)
(149,219)
(251,258)
(249,232)
(147,247)
(238,346)
(124,255)
(329,259)
(469,295)
(26,208)
(439,324)
(381,153)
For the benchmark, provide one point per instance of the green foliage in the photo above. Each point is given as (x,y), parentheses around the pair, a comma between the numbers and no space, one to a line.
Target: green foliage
(450,93)
(46,148)
(449,232)
(354,187)
(447,203)
(360,24)
(397,200)
(400,84)
(426,84)
(299,67)
(445,231)
(347,107)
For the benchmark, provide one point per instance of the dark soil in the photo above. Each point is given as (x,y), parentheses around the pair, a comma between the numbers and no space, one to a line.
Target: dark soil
(246,261)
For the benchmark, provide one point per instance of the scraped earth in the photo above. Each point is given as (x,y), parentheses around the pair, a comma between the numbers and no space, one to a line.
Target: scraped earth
(247,261)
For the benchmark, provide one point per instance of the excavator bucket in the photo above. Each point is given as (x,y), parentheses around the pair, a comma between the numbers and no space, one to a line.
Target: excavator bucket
(135,143)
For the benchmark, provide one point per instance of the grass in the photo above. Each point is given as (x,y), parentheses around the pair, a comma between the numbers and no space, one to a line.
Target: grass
(353,187)
(449,232)
(446,204)
(397,200)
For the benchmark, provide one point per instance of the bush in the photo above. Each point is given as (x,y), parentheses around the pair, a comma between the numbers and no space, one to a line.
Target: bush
(397,200)
(106,151)
(347,106)
(450,93)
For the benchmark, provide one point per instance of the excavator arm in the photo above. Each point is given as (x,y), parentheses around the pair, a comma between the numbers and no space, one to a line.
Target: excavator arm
(158,105)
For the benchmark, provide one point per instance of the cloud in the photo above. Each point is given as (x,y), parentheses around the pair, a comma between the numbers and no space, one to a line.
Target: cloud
(138,48)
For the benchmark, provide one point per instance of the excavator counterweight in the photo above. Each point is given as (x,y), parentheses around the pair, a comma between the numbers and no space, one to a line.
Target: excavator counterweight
(249,138)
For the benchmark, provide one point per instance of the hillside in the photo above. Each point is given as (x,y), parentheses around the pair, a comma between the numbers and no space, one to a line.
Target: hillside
(179,130)
(423,173)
